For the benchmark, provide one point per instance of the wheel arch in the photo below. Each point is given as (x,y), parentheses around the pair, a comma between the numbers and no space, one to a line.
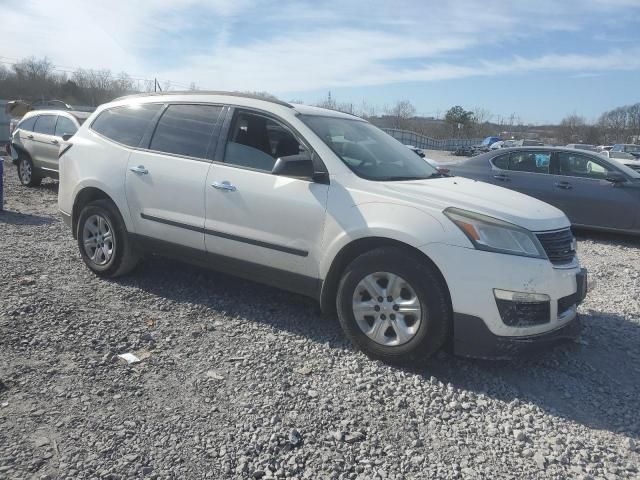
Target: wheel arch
(85,196)
(356,248)
(20,150)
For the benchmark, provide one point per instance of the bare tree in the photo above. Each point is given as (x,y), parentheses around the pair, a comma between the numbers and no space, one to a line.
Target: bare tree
(401,114)
(572,129)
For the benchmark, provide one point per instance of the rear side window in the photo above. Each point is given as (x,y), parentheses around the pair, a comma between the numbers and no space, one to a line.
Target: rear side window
(127,124)
(45,124)
(186,130)
(502,162)
(27,124)
(534,162)
(65,127)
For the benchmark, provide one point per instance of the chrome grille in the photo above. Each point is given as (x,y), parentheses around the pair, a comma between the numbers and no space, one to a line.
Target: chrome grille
(559,246)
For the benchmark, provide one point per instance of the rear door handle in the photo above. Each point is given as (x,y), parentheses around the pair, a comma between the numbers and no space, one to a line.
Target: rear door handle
(30,137)
(563,185)
(139,169)
(55,142)
(502,177)
(225,185)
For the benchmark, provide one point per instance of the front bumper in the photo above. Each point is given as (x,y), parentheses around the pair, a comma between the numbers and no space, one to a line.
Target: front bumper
(479,328)
(472,338)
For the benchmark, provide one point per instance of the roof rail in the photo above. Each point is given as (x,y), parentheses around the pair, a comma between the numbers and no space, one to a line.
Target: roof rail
(207,92)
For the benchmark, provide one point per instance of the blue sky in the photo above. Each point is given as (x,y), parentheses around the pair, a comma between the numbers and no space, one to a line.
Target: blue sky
(539,60)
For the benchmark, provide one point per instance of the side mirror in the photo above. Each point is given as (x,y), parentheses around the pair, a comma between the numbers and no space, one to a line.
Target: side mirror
(67,136)
(615,177)
(298,166)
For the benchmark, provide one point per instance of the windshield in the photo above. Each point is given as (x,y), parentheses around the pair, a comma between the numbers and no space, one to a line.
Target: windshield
(368,151)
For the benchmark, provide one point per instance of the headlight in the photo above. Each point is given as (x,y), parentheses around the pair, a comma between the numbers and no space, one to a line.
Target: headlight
(493,235)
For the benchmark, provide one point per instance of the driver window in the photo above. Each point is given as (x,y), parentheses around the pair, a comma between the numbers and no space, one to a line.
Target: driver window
(573,165)
(257,142)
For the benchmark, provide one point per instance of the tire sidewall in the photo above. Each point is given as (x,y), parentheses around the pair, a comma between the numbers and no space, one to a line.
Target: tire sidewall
(432,294)
(107,210)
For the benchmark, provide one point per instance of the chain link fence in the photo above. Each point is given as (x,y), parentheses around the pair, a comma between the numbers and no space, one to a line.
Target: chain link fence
(422,141)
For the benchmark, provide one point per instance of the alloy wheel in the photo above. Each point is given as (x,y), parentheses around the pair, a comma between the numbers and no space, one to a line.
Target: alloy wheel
(25,170)
(387,308)
(98,239)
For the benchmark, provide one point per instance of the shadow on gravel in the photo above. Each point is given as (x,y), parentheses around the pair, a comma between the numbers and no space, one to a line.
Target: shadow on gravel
(607,237)
(595,382)
(15,218)
(51,186)
(186,284)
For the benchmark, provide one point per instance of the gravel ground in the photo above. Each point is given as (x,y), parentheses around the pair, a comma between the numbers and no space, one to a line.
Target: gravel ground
(443,156)
(240,380)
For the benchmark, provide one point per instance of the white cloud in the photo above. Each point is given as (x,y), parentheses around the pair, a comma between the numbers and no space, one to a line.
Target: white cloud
(283,46)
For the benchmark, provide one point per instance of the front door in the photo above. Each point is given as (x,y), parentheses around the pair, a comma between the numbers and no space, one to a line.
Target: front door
(166,183)
(256,217)
(582,193)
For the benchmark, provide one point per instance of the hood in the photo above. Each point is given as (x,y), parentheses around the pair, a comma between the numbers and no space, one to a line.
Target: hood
(479,197)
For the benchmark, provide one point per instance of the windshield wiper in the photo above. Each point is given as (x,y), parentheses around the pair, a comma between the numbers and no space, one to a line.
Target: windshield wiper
(399,179)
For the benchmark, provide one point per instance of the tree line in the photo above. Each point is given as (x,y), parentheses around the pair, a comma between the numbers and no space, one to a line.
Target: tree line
(34,79)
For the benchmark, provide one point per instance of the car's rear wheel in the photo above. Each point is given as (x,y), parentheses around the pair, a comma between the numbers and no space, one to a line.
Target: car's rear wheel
(103,240)
(393,306)
(26,172)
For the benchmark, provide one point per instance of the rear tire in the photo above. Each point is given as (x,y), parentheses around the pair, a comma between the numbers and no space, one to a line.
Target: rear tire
(394,307)
(103,240)
(26,172)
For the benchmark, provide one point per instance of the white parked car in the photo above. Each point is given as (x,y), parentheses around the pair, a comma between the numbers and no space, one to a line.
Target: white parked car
(327,205)
(623,157)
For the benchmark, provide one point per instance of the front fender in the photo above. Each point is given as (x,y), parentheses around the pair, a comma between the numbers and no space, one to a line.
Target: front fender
(403,223)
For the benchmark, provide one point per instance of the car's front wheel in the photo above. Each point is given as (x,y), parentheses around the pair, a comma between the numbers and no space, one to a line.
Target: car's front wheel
(103,240)
(26,172)
(393,306)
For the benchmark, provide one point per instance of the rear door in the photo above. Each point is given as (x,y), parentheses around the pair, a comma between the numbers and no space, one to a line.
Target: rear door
(528,172)
(23,136)
(582,193)
(45,144)
(166,182)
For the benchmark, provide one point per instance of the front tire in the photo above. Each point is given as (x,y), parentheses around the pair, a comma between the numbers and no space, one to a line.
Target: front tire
(26,172)
(393,306)
(103,240)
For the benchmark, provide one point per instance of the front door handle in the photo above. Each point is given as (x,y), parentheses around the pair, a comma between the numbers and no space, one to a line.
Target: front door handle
(502,177)
(30,137)
(55,142)
(139,169)
(225,185)
(563,185)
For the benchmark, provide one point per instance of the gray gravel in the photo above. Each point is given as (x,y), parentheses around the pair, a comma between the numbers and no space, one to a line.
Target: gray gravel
(239,380)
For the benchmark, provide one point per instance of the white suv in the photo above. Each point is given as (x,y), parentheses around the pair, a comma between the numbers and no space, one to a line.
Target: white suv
(327,205)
